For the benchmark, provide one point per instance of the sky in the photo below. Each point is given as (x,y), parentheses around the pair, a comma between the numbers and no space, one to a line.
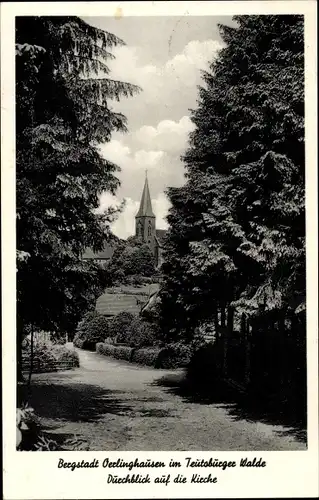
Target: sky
(164,56)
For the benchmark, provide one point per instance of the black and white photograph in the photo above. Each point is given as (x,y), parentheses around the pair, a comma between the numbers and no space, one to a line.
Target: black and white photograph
(160,233)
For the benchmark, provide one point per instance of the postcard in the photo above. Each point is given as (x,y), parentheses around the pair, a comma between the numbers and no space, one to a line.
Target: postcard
(159,249)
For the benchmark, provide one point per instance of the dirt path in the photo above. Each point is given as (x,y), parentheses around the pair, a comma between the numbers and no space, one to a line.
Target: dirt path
(116,405)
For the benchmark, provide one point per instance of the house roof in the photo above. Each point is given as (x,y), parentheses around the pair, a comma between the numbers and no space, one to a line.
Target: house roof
(111,304)
(105,254)
(146,289)
(145,209)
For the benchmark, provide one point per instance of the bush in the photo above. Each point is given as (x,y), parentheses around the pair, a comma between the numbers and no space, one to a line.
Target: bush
(143,334)
(49,357)
(139,333)
(174,356)
(120,325)
(147,356)
(77,341)
(109,340)
(66,355)
(125,328)
(27,428)
(92,328)
(30,436)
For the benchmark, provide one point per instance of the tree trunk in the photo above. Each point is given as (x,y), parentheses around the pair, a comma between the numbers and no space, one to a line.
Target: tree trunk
(31,356)
(20,377)
(230,320)
(247,336)
(223,316)
(216,322)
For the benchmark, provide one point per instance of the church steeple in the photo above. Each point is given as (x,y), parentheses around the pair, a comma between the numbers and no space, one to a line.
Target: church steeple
(145,209)
(145,228)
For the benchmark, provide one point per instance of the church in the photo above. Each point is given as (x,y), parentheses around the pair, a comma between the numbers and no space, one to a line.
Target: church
(145,230)
(145,226)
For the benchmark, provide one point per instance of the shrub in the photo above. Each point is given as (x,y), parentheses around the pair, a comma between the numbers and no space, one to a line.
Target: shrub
(43,356)
(174,356)
(92,328)
(139,333)
(146,356)
(120,325)
(109,340)
(143,334)
(77,341)
(27,428)
(30,436)
(49,357)
(67,355)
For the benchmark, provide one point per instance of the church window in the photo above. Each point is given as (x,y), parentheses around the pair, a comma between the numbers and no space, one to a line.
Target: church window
(139,229)
(149,230)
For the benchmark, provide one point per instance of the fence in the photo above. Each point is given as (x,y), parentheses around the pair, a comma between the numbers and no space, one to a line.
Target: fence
(269,360)
(38,366)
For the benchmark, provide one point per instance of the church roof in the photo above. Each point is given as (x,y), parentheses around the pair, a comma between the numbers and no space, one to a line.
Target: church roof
(145,209)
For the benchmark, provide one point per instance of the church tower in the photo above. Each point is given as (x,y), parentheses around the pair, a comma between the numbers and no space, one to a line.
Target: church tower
(145,228)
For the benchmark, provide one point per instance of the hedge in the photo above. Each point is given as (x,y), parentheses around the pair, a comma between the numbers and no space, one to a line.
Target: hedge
(169,357)
(106,349)
(123,352)
(147,356)
(117,352)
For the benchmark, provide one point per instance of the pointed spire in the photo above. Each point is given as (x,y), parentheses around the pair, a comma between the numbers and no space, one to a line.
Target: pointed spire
(145,209)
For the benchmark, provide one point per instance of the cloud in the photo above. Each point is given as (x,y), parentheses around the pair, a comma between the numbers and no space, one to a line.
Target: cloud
(132,163)
(159,126)
(168,135)
(124,226)
(169,89)
(155,149)
(182,69)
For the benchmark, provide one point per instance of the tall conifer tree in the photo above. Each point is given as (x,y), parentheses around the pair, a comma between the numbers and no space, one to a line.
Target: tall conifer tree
(237,234)
(63,112)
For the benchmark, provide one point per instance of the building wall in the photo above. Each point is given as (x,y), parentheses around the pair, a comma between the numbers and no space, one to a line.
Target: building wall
(145,229)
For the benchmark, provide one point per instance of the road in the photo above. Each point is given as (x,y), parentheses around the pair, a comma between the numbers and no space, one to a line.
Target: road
(115,405)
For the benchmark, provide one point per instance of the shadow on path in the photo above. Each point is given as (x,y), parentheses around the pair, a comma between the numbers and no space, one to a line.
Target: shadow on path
(73,402)
(238,406)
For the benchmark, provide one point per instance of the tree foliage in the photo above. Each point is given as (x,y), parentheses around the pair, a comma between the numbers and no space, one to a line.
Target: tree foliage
(63,112)
(237,227)
(132,257)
